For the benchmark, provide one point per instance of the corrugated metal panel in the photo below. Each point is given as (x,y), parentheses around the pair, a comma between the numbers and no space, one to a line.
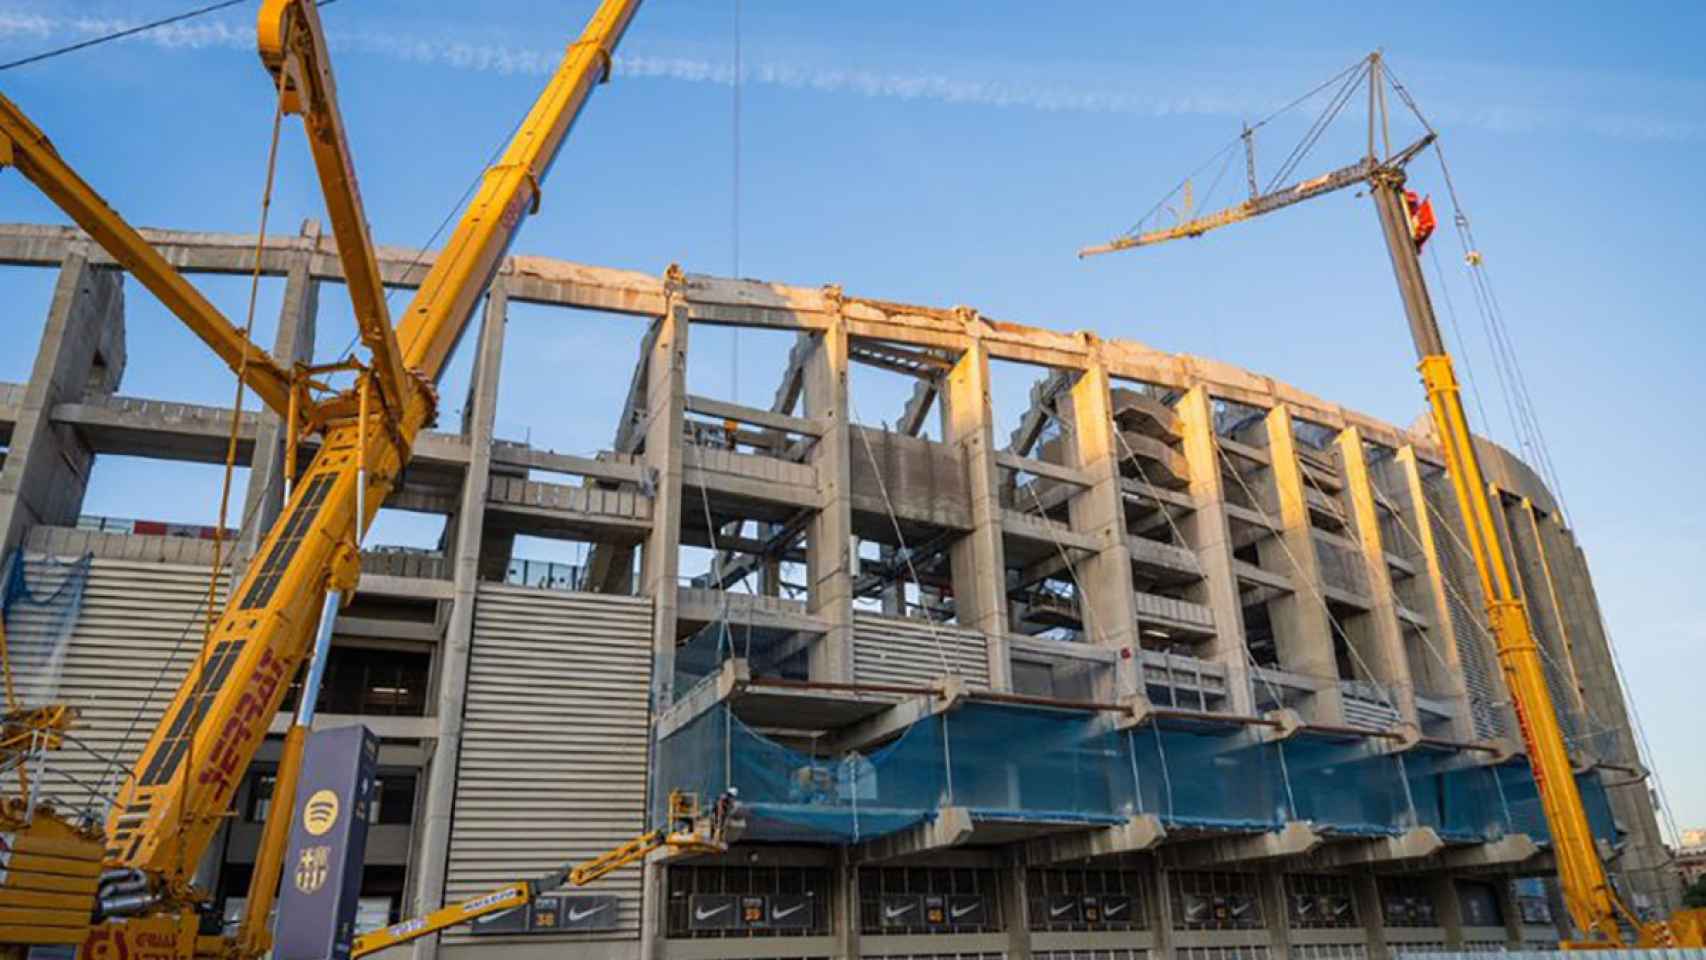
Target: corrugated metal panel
(892,650)
(138,633)
(553,764)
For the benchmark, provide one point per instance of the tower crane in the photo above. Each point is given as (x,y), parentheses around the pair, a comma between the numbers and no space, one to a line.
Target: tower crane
(278,621)
(1406,221)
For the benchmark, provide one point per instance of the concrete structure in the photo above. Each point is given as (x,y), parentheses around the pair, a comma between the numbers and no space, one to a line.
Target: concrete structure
(1158,531)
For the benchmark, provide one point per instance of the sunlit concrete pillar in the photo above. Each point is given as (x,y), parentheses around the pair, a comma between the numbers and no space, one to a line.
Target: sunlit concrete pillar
(47,465)
(1384,649)
(978,561)
(829,537)
(1109,604)
(292,344)
(1207,531)
(1303,633)
(432,854)
(1412,510)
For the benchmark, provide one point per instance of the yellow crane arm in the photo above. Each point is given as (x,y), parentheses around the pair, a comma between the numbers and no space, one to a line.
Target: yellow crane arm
(687,834)
(1588,894)
(181,785)
(293,48)
(25,146)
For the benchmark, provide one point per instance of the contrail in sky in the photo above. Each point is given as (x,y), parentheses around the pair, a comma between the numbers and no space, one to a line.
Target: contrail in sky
(1075,96)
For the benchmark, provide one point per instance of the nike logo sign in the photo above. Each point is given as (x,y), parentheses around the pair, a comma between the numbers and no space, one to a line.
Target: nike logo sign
(959,912)
(890,912)
(1063,908)
(1114,908)
(787,912)
(576,916)
(700,914)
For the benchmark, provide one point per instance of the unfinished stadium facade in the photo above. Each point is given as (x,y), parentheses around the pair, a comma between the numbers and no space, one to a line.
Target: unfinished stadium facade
(1185,662)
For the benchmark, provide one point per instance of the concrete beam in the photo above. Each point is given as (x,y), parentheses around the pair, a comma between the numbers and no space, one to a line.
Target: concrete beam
(1415,844)
(1295,839)
(752,416)
(829,535)
(1108,604)
(950,827)
(898,718)
(1507,851)
(1140,833)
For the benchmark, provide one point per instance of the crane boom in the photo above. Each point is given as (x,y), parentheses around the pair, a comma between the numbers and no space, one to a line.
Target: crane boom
(176,795)
(1593,904)
(23,145)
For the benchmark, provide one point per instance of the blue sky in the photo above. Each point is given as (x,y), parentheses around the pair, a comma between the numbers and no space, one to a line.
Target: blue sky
(959,153)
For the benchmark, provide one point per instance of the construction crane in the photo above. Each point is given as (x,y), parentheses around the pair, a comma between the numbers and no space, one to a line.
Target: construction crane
(1406,220)
(278,621)
(687,832)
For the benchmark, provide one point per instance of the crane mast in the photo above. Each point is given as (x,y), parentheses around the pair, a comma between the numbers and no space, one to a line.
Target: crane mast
(1593,905)
(281,611)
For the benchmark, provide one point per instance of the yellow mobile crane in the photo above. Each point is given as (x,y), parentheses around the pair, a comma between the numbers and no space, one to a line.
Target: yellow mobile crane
(279,617)
(1405,223)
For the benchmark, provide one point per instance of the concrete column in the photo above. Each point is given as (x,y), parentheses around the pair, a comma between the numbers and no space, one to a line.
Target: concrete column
(292,344)
(1270,889)
(1412,506)
(1209,533)
(1366,889)
(1303,633)
(830,535)
(844,910)
(1015,883)
(432,856)
(978,562)
(1109,604)
(666,397)
(46,468)
(1384,649)
(1647,867)
(1450,909)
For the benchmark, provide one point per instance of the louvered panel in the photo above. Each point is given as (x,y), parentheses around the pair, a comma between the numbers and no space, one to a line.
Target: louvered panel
(892,650)
(137,635)
(553,764)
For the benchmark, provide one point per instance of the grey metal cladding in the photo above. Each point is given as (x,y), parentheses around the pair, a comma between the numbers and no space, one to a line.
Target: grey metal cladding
(553,764)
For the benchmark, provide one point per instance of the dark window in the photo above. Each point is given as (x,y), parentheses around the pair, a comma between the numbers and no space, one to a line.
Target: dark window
(1480,904)
(896,900)
(1087,899)
(804,888)
(396,800)
(1320,901)
(1204,900)
(358,680)
(1407,902)
(261,785)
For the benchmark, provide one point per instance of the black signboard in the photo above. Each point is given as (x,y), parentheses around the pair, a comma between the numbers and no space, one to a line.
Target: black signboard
(936,911)
(789,911)
(1118,909)
(1060,909)
(577,912)
(967,910)
(902,910)
(752,912)
(328,842)
(713,911)
(513,920)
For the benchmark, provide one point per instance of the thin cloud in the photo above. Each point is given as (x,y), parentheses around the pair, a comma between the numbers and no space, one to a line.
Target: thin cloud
(1106,96)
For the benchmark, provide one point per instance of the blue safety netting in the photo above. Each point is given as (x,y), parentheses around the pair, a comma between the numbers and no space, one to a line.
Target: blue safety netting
(41,598)
(1006,762)
(1516,780)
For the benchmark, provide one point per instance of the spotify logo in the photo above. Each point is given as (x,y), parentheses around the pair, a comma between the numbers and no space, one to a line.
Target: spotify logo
(321,812)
